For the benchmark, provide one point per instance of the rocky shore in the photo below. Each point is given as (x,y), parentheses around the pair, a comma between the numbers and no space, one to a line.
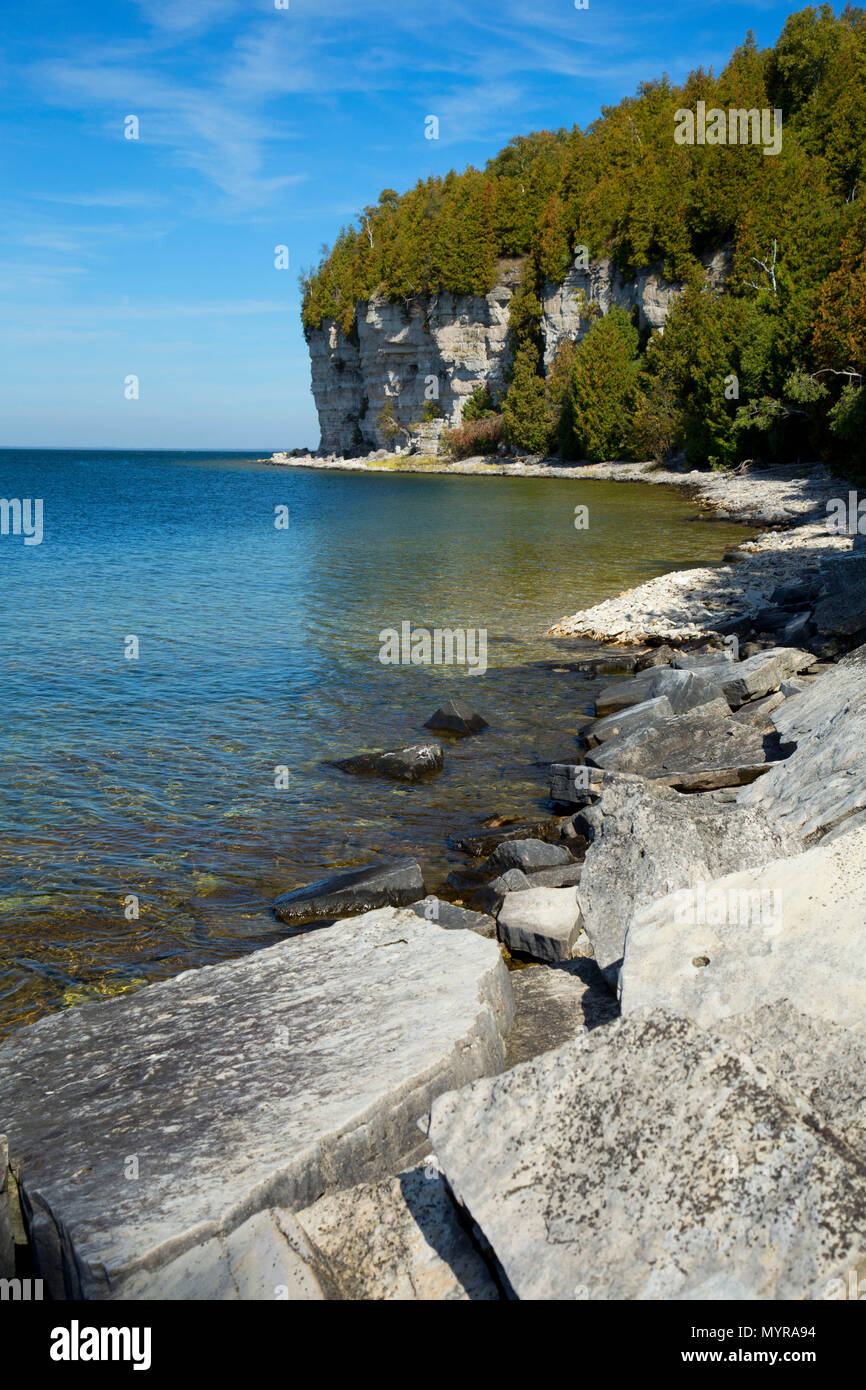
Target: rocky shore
(618,1056)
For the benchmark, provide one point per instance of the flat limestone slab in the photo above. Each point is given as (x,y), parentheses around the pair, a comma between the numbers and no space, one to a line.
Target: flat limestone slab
(650,841)
(706,738)
(648,1160)
(541,922)
(794,929)
(631,718)
(763,673)
(684,690)
(259,1084)
(399,1238)
(823,782)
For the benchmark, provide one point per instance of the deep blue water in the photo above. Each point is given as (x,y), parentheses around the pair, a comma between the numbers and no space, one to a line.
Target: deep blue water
(259,648)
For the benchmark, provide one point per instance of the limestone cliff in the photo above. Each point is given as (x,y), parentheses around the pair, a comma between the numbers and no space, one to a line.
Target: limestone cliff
(441,347)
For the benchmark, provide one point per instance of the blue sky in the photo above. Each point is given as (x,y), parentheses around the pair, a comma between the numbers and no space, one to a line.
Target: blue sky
(258,127)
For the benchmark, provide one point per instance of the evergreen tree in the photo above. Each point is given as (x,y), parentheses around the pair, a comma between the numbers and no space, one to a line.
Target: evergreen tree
(524,407)
(603,387)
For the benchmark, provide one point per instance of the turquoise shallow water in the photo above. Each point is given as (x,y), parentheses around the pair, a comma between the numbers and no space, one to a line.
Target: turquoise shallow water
(259,648)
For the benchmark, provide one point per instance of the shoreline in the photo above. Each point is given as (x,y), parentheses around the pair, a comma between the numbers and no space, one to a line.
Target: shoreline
(788,503)
(454,1051)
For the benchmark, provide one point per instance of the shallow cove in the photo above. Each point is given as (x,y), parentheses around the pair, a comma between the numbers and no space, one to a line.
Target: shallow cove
(259,648)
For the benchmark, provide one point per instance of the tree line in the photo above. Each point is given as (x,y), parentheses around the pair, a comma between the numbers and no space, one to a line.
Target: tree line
(772,366)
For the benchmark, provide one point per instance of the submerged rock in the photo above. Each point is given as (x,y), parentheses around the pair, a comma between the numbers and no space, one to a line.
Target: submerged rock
(409,764)
(456,718)
(351,891)
(649,1160)
(236,1089)
(484,842)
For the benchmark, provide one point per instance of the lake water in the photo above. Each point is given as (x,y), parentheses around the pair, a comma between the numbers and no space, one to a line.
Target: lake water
(259,648)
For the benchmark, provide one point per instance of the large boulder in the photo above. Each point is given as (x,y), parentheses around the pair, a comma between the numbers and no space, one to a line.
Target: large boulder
(649,1160)
(399,1238)
(645,715)
(197,1103)
(410,764)
(351,891)
(649,841)
(704,739)
(822,1061)
(684,689)
(543,923)
(762,673)
(823,782)
(792,929)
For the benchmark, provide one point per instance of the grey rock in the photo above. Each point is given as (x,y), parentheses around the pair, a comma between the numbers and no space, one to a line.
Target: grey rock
(410,764)
(456,718)
(351,891)
(822,1061)
(793,928)
(490,897)
(798,629)
(658,656)
(823,782)
(452,917)
(704,738)
(701,661)
(558,876)
(574,784)
(841,611)
(651,841)
(763,673)
(528,854)
(484,842)
(647,714)
(759,711)
(684,689)
(544,923)
(648,1160)
(553,1003)
(399,1238)
(7,1236)
(794,595)
(259,1084)
(793,687)
(264,1259)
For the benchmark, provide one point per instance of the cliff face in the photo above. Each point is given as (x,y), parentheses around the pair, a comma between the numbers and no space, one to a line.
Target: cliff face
(440,348)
